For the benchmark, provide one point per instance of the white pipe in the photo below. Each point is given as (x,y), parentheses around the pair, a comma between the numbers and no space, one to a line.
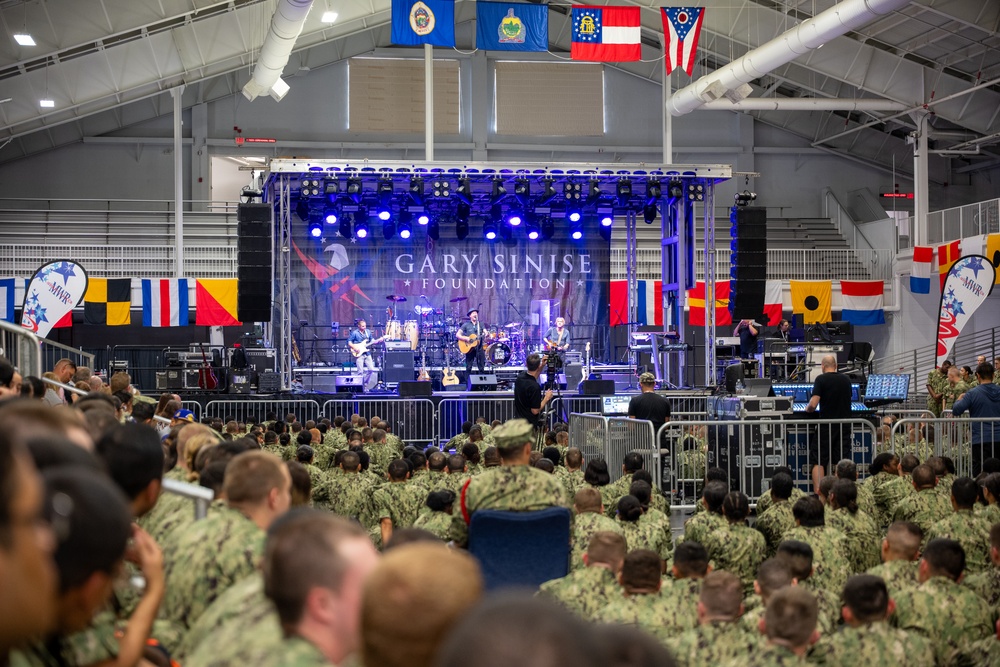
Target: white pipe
(805,104)
(428,102)
(286,24)
(817,31)
(178,94)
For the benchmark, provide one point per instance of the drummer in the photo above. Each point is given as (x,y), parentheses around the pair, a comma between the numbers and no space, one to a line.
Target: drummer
(472,332)
(557,337)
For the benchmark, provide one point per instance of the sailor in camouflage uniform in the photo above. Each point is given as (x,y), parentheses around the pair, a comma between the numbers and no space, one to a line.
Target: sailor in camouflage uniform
(925,507)
(777,519)
(987,582)
(700,525)
(900,553)
(397,504)
(966,527)
(936,381)
(858,528)
(514,486)
(438,520)
(790,627)
(719,636)
(641,605)
(829,545)
(737,548)
(589,520)
(588,590)
(680,592)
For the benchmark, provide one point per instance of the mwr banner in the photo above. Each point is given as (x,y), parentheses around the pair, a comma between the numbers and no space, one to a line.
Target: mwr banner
(53,292)
(339,281)
(968,283)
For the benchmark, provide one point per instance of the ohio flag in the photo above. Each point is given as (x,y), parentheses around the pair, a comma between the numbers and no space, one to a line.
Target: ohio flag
(165,303)
(681,29)
(920,270)
(606,34)
(862,301)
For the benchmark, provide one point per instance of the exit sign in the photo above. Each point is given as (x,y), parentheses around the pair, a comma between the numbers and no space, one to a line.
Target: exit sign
(897,195)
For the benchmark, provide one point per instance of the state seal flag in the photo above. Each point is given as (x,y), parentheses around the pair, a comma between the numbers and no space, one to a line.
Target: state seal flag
(812,299)
(417,22)
(681,29)
(165,303)
(606,34)
(511,26)
(920,270)
(696,304)
(108,301)
(862,302)
(215,302)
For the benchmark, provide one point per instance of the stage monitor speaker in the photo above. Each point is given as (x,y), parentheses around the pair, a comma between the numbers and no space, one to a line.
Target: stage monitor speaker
(597,387)
(253,213)
(349,383)
(411,388)
(748,260)
(574,374)
(398,367)
(481,382)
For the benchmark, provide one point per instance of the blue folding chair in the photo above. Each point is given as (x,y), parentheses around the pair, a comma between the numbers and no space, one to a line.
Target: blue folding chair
(521,549)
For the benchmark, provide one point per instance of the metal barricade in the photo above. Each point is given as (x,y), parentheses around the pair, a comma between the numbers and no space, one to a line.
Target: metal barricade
(947,436)
(195,407)
(414,420)
(201,496)
(564,406)
(632,435)
(22,349)
(53,352)
(750,451)
(258,410)
(589,433)
(453,411)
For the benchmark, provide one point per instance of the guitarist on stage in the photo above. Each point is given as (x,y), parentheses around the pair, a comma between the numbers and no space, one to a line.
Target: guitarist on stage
(557,337)
(359,339)
(471,333)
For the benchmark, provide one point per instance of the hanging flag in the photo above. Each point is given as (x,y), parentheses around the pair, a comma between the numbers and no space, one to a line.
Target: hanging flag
(696,304)
(967,285)
(863,301)
(974,245)
(948,254)
(681,28)
(215,302)
(812,299)
(993,252)
(649,299)
(618,302)
(510,26)
(606,34)
(772,302)
(417,22)
(920,270)
(51,295)
(11,295)
(165,303)
(108,301)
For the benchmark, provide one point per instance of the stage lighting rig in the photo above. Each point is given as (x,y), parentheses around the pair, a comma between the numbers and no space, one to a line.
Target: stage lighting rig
(548,193)
(574,214)
(606,216)
(534,231)
(388,229)
(384,192)
(330,216)
(576,231)
(515,217)
(649,213)
(548,228)
(593,192)
(355,188)
(695,192)
(423,218)
(442,189)
(405,228)
(464,190)
(331,188)
(462,212)
(315,229)
(434,230)
(623,190)
(310,187)
(346,226)
(498,191)
(361,225)
(653,191)
(744,198)
(522,190)
(416,190)
(572,191)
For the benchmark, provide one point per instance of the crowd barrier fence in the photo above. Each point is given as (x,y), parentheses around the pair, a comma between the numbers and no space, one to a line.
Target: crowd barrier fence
(946,436)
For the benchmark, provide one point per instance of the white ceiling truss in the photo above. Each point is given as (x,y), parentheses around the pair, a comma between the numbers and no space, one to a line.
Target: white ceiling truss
(106,63)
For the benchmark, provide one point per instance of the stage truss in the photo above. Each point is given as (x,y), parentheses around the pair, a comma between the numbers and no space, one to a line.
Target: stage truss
(680,192)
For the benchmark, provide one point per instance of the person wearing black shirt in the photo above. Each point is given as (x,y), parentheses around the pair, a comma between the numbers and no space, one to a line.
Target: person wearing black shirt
(649,405)
(528,398)
(472,332)
(747,330)
(831,395)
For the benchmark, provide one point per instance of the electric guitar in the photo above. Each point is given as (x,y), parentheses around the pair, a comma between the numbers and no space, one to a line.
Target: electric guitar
(424,376)
(586,358)
(449,377)
(469,345)
(206,377)
(357,349)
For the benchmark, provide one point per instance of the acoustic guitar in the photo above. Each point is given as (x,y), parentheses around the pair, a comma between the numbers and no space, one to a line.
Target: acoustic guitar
(449,377)
(357,349)
(423,376)
(471,344)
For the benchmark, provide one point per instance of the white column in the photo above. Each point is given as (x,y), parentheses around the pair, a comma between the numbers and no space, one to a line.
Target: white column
(429,102)
(178,94)
(920,182)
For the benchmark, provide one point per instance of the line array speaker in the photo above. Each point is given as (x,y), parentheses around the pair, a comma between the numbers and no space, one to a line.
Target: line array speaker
(254,242)
(748,262)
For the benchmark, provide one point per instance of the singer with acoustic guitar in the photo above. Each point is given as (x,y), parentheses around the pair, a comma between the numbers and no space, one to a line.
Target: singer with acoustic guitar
(360,341)
(470,342)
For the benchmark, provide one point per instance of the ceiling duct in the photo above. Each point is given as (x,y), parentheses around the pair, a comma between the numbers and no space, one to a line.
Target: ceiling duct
(286,25)
(814,33)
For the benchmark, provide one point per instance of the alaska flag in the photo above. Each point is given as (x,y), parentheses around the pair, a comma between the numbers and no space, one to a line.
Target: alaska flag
(510,26)
(423,22)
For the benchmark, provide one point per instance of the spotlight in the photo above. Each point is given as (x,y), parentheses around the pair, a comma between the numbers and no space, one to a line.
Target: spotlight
(696,192)
(310,187)
(649,213)
(388,229)
(675,189)
(405,226)
(515,218)
(593,192)
(744,198)
(416,190)
(442,189)
(384,213)
(461,229)
(574,215)
(384,191)
(522,190)
(423,218)
(653,190)
(330,188)
(331,216)
(464,190)
(576,233)
(548,193)
(533,230)
(571,191)
(355,188)
(606,216)
(624,191)
(361,225)
(315,229)
(462,212)
(498,191)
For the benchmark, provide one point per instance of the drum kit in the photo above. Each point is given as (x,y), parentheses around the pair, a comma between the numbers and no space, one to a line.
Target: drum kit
(433,331)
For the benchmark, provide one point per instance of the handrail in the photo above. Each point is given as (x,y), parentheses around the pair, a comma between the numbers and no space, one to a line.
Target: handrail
(201,496)
(32,351)
(59,346)
(922,360)
(841,214)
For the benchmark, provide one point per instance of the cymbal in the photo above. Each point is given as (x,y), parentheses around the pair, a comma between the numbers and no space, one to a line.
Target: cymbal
(512,325)
(458,299)
(395,297)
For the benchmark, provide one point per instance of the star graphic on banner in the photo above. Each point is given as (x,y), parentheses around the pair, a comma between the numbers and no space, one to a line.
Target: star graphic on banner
(951,294)
(40,315)
(956,269)
(66,270)
(353,240)
(32,299)
(579,283)
(956,308)
(406,283)
(976,265)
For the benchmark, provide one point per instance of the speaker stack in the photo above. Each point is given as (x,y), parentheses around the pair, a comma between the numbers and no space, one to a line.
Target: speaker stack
(748,262)
(253,256)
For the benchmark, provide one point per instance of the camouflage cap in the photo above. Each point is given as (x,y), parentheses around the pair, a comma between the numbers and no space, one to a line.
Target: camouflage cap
(513,433)
(647,378)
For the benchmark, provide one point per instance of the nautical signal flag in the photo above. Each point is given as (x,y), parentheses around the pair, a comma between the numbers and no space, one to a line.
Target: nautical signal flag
(812,299)
(681,29)
(417,22)
(772,302)
(862,302)
(215,302)
(606,34)
(696,304)
(948,254)
(108,301)
(649,301)
(920,270)
(11,296)
(993,253)
(165,303)
(511,26)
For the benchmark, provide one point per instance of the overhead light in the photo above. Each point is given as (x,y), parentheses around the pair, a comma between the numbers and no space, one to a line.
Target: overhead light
(653,191)
(649,213)
(548,228)
(416,190)
(695,192)
(576,232)
(571,191)
(423,218)
(46,103)
(405,226)
(384,213)
(462,212)
(548,193)
(624,191)
(464,190)
(593,192)
(328,17)
(24,39)
(534,231)
(606,216)
(315,229)
(515,218)
(330,188)
(361,226)
(388,229)
(574,215)
(355,188)
(331,216)
(490,231)
(498,190)
(442,189)
(346,227)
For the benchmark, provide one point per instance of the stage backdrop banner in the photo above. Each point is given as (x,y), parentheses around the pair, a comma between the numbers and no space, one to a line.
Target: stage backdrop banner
(968,283)
(54,291)
(338,280)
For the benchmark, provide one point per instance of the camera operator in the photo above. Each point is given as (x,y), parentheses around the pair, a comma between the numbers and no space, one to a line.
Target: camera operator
(528,399)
